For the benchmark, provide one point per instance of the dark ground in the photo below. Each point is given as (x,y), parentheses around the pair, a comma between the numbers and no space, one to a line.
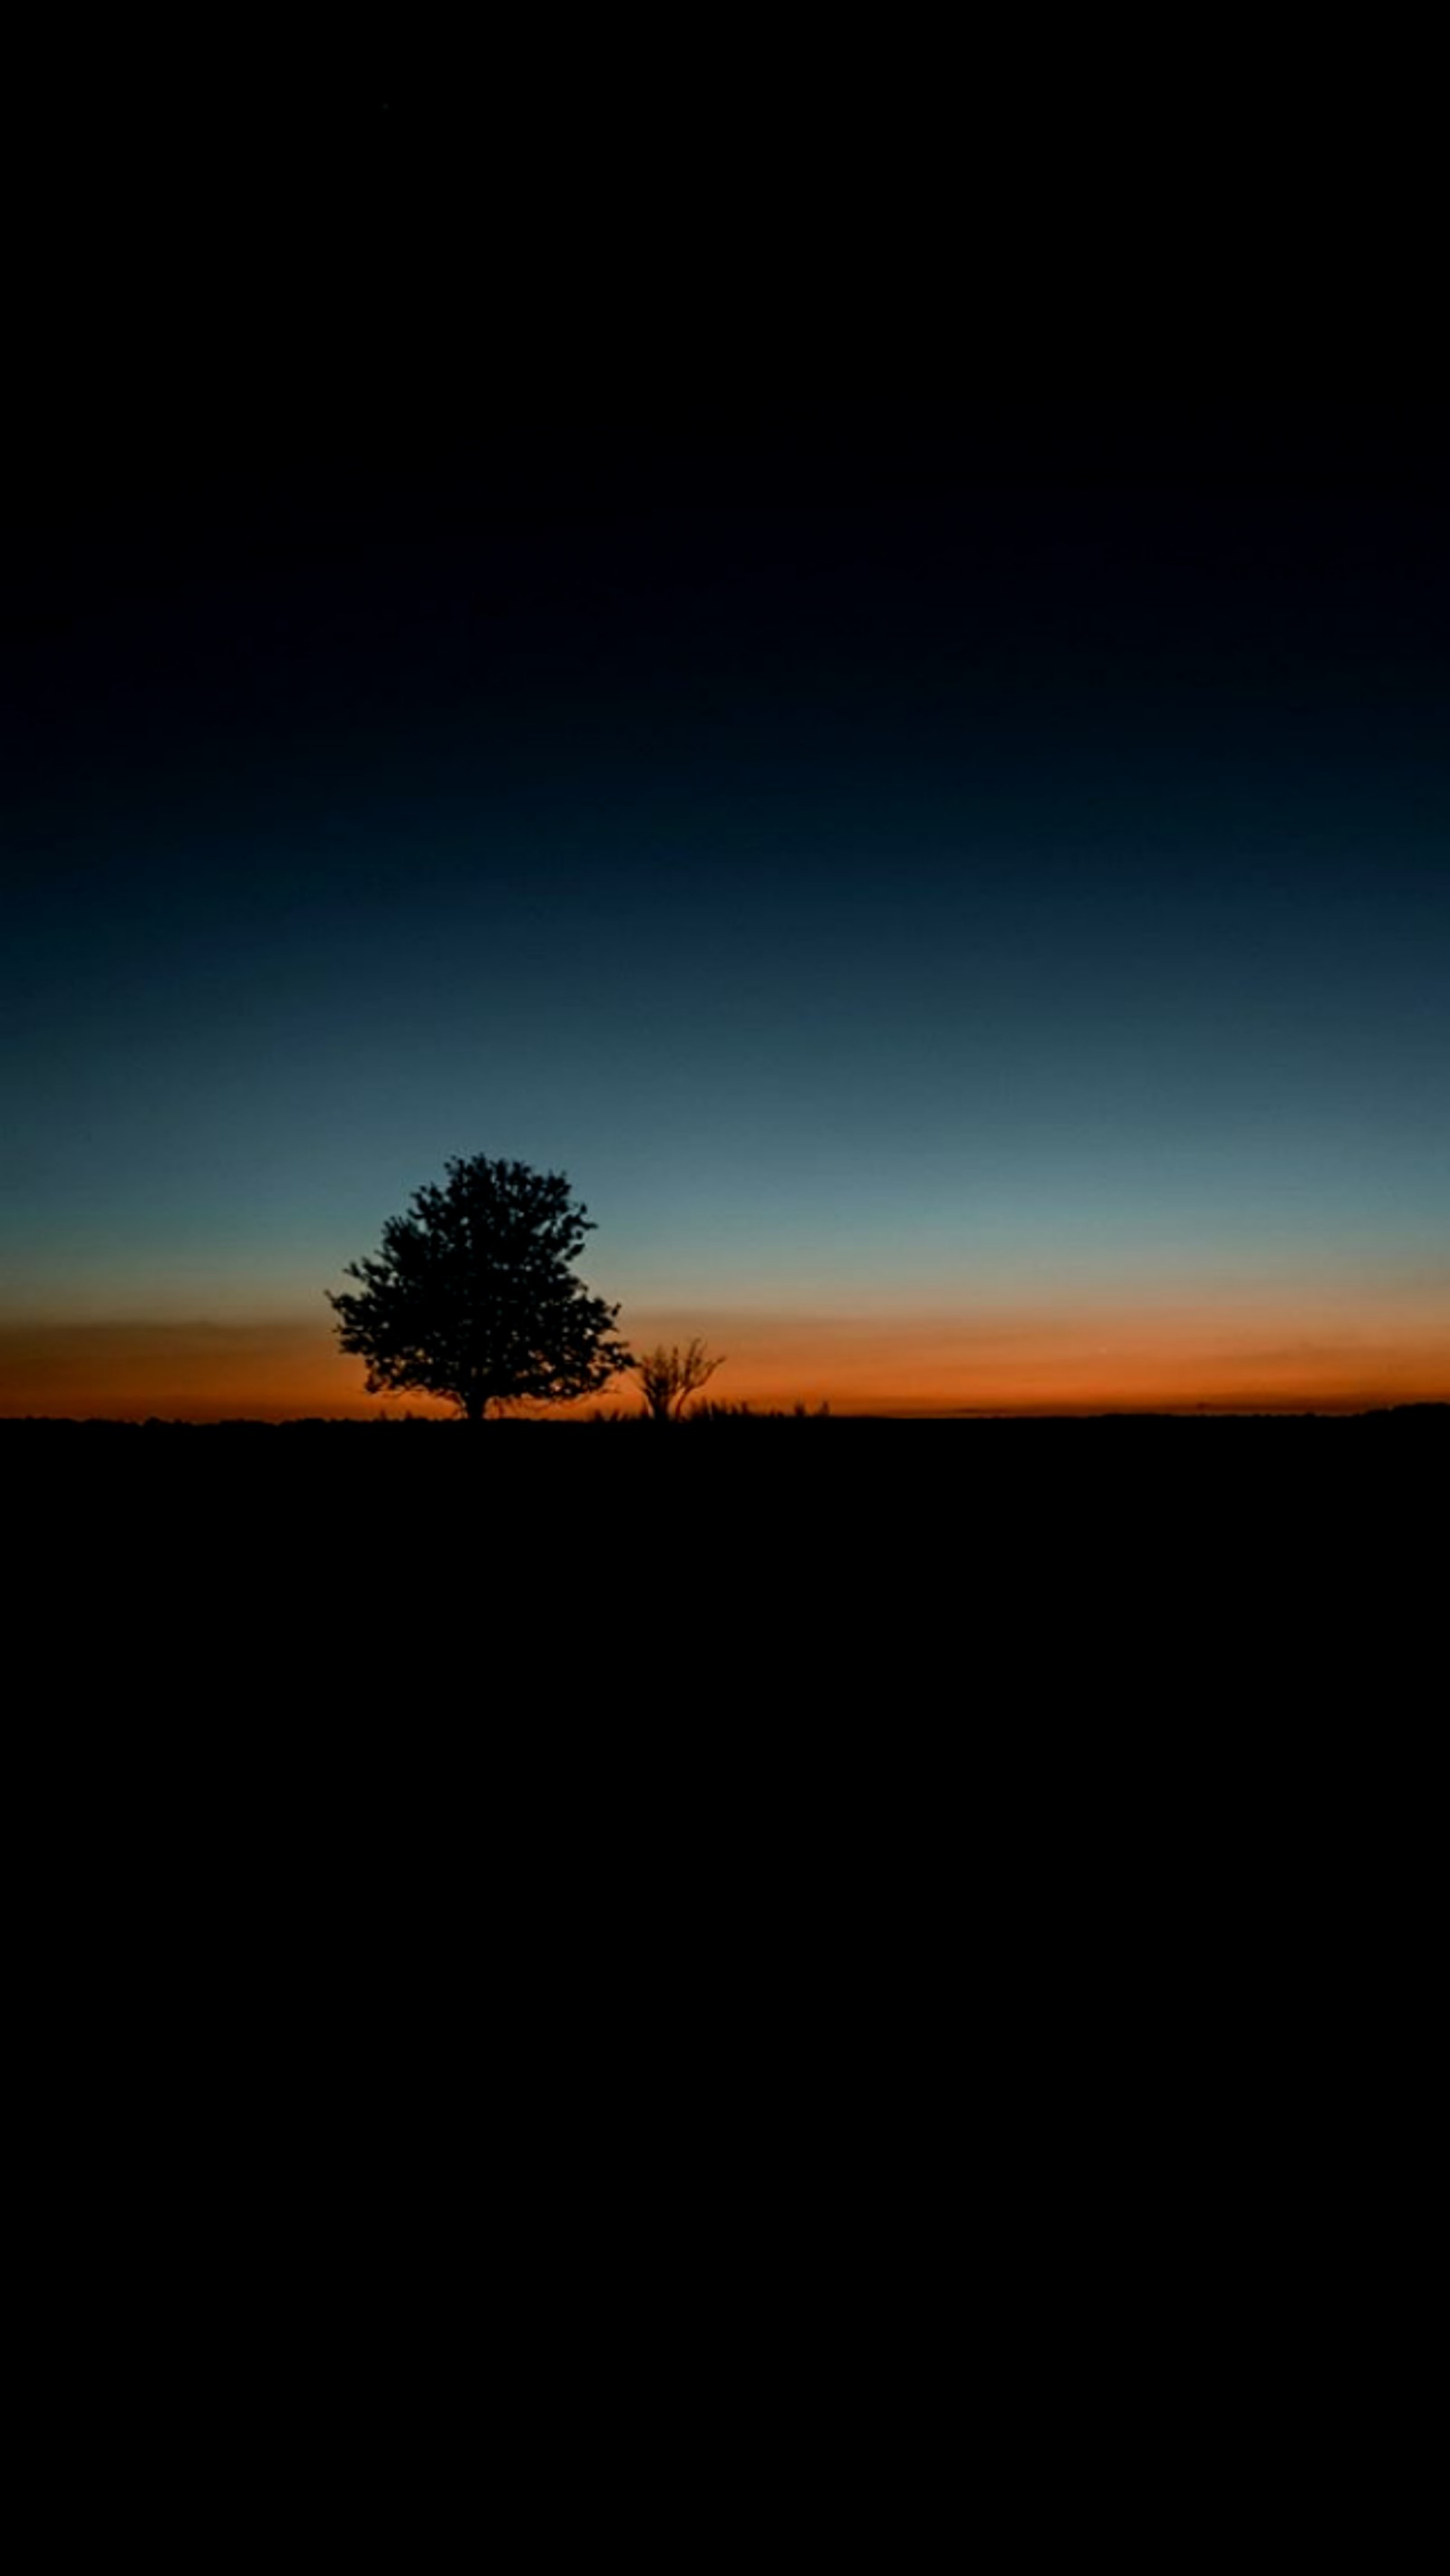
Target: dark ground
(500,1681)
(401,1641)
(823,1865)
(922,1565)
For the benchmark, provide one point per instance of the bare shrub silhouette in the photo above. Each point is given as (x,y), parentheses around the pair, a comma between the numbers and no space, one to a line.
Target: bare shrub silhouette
(668,1378)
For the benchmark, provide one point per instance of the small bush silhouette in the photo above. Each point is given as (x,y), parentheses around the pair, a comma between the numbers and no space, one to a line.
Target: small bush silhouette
(668,1378)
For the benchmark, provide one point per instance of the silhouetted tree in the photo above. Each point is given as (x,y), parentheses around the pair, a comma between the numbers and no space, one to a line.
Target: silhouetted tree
(472,1296)
(669,1378)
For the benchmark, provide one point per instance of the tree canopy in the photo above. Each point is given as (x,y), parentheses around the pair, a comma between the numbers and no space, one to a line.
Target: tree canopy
(473,1297)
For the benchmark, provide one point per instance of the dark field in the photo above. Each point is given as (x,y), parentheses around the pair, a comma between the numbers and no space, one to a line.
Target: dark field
(798,1664)
(921,1562)
(1041,1810)
(932,1657)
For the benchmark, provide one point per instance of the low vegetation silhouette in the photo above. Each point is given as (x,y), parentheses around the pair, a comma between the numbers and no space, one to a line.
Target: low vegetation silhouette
(668,1378)
(473,1296)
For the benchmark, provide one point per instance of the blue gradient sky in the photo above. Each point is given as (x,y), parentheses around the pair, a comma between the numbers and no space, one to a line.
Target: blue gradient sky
(902,860)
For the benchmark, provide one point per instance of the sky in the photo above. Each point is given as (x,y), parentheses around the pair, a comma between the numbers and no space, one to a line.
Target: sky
(957,876)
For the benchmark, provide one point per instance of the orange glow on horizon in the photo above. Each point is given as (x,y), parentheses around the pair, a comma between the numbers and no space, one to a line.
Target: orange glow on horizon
(1250,1353)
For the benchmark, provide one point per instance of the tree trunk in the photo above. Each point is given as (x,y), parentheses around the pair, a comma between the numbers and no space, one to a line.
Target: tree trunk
(475,1407)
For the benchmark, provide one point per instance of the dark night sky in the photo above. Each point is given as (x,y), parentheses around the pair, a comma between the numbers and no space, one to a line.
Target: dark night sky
(950,857)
